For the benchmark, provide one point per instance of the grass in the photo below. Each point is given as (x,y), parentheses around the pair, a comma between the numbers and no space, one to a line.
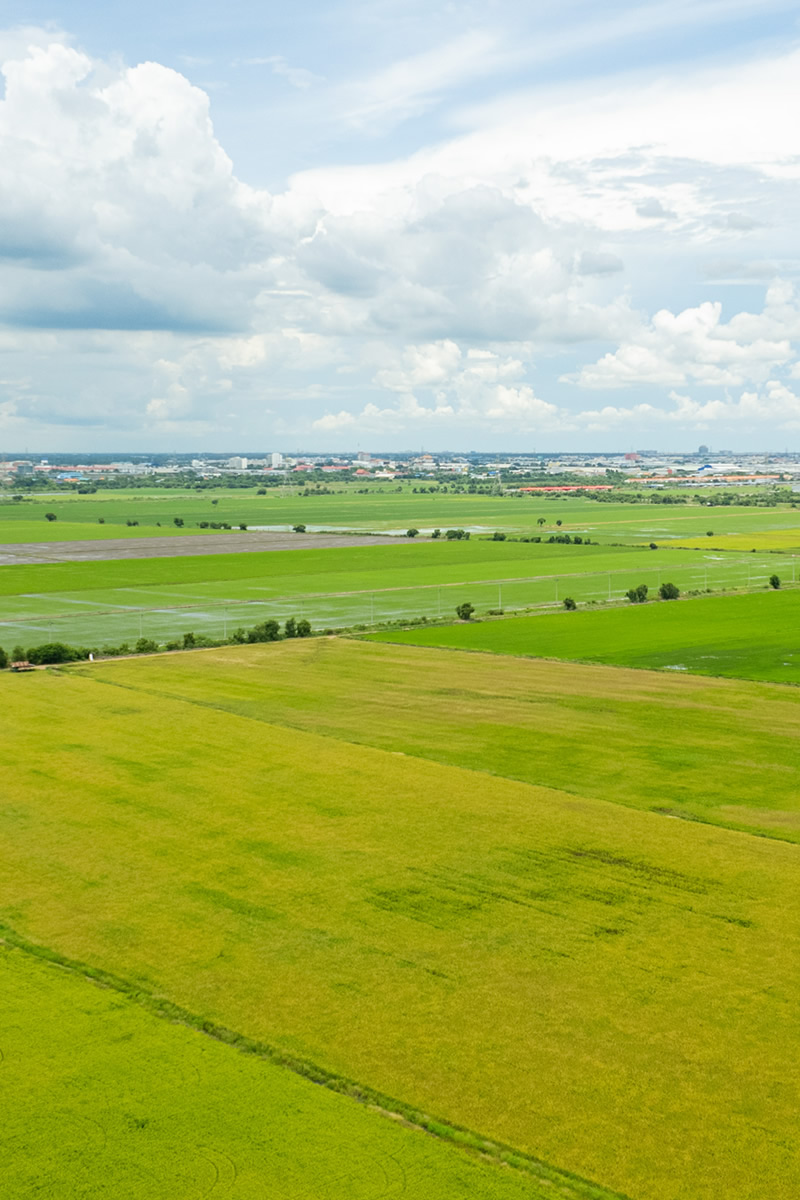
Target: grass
(604,988)
(18,532)
(91,1116)
(593,730)
(386,508)
(750,637)
(759,540)
(105,603)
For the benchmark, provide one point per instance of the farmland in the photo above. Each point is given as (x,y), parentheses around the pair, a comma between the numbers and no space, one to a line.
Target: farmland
(602,987)
(207,1119)
(751,636)
(592,729)
(104,603)
(395,507)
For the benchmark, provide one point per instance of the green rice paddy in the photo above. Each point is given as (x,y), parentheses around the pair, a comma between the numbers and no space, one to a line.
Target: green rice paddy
(374,918)
(103,1098)
(752,636)
(606,989)
(105,603)
(394,507)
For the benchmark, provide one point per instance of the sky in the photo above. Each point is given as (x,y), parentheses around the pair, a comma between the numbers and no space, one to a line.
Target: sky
(390,225)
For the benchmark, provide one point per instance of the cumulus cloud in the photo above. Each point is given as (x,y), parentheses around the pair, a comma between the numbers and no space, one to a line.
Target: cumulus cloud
(697,345)
(474,286)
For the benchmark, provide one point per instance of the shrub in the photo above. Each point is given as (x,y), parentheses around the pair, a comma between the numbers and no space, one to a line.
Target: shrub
(101,520)
(178,521)
(569,604)
(669,591)
(50,517)
(131,522)
(303,628)
(290,628)
(189,640)
(412,533)
(653,545)
(709,533)
(774,582)
(464,611)
(146,646)
(243,527)
(261,492)
(266,631)
(497,536)
(53,652)
(637,595)
(3,659)
(437,533)
(18,654)
(299,528)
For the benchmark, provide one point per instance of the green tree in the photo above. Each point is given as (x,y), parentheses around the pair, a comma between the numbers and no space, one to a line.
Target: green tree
(437,533)
(669,591)
(3,659)
(266,631)
(146,646)
(412,533)
(299,528)
(542,521)
(569,604)
(464,611)
(303,628)
(637,595)
(774,582)
(290,628)
(178,521)
(51,516)
(53,652)
(497,536)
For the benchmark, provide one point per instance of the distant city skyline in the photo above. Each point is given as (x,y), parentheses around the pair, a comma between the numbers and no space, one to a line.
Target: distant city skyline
(458,225)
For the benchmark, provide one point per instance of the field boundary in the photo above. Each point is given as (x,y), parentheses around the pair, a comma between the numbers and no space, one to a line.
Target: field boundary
(571,1186)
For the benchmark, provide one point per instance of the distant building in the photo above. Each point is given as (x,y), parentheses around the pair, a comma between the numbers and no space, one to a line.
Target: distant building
(276,460)
(237,463)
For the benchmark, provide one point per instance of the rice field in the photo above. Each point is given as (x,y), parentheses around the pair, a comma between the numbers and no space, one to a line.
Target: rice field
(387,507)
(604,988)
(86,1114)
(98,604)
(751,636)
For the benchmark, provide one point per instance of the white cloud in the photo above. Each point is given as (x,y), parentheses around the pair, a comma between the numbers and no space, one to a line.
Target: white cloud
(696,345)
(452,287)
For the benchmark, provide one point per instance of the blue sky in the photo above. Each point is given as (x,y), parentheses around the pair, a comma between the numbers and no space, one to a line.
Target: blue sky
(491,225)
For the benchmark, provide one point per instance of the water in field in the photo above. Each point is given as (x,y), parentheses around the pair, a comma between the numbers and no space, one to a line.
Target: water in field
(124,615)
